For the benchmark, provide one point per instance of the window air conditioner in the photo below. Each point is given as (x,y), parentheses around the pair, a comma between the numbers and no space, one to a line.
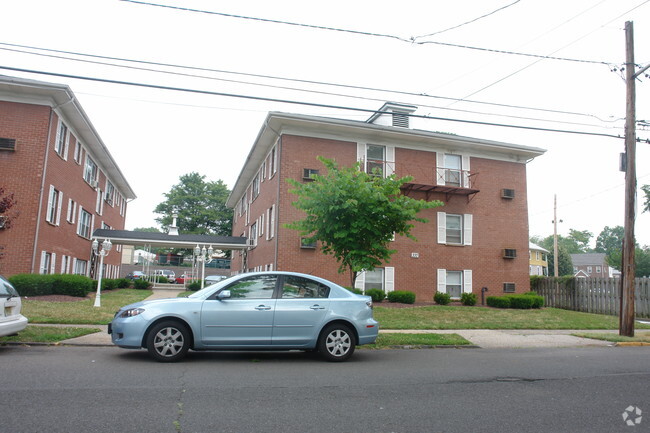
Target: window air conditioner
(507,193)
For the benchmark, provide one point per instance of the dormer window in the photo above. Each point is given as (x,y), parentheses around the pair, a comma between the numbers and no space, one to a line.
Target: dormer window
(393,114)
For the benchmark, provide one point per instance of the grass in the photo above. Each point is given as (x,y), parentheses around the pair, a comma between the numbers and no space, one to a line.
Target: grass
(386,340)
(82,311)
(640,337)
(458,317)
(47,334)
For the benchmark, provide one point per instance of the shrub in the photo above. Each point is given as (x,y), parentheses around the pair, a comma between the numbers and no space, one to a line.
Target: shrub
(196,285)
(71,285)
(521,302)
(442,298)
(123,283)
(401,296)
(353,290)
(32,284)
(141,284)
(498,301)
(468,299)
(53,284)
(377,295)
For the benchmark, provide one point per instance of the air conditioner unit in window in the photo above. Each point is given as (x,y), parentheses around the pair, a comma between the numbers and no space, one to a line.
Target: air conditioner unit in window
(304,243)
(308,172)
(509,253)
(251,243)
(509,287)
(94,183)
(507,193)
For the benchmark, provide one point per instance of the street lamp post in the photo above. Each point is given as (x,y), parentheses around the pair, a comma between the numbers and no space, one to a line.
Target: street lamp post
(203,256)
(103,252)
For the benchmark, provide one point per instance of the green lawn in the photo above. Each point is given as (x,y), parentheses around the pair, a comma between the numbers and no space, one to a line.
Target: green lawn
(639,337)
(82,311)
(386,340)
(47,334)
(458,317)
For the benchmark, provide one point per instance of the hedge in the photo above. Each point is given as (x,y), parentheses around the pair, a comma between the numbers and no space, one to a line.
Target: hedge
(52,284)
(468,299)
(519,301)
(377,295)
(441,298)
(401,296)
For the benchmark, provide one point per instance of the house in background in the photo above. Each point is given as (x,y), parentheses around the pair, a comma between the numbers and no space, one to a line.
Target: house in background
(592,265)
(63,178)
(538,257)
(478,239)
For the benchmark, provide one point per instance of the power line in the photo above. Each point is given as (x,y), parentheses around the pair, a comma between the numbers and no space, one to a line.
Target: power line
(374,89)
(410,40)
(303,103)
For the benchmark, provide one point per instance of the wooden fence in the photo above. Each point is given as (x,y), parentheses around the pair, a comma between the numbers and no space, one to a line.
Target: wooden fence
(592,295)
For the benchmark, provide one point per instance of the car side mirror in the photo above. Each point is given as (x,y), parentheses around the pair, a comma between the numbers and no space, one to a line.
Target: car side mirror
(224,294)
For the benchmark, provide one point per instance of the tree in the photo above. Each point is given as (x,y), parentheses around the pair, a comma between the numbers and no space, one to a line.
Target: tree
(610,240)
(646,204)
(581,240)
(200,205)
(355,214)
(147,229)
(565,264)
(7,216)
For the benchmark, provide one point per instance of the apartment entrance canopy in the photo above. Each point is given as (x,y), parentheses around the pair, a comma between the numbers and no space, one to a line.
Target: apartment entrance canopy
(163,240)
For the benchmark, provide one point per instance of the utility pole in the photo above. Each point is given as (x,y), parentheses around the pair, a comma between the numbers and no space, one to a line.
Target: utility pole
(628,269)
(555,261)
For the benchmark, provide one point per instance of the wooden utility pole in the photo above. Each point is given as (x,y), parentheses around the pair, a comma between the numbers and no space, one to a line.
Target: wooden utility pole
(556,272)
(628,271)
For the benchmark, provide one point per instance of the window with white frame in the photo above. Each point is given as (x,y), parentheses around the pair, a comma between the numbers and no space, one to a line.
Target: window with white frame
(454,282)
(253,233)
(589,269)
(80,267)
(273,161)
(454,229)
(375,159)
(65,264)
(53,213)
(453,170)
(90,171)
(374,279)
(271,219)
(110,193)
(99,204)
(85,223)
(255,188)
(599,270)
(453,164)
(62,139)
(47,263)
(77,151)
(378,278)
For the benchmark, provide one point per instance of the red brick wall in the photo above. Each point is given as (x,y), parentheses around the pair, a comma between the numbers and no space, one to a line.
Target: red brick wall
(497,223)
(23,172)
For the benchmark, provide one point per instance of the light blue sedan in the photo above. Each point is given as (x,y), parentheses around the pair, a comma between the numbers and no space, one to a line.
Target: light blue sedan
(253,311)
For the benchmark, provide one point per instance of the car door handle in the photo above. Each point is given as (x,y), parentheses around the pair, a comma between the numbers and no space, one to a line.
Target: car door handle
(316,307)
(262,307)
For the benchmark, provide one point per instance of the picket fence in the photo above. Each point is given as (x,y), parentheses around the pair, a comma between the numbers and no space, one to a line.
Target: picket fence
(593,295)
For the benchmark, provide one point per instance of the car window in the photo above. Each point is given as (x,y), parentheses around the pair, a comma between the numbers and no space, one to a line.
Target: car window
(257,287)
(6,289)
(299,287)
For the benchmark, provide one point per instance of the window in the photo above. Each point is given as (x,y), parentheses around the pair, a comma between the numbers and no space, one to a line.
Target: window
(61,142)
(272,162)
(455,282)
(256,186)
(90,171)
(305,243)
(454,229)
(374,279)
(453,170)
(375,159)
(85,222)
(253,234)
(65,264)
(80,267)
(110,193)
(99,204)
(271,220)
(599,270)
(46,263)
(299,287)
(589,269)
(258,287)
(307,173)
(53,215)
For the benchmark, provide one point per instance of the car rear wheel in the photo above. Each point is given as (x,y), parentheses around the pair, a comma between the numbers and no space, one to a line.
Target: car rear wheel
(336,343)
(168,341)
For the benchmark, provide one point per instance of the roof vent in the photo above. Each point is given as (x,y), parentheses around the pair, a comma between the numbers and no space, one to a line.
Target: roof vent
(393,114)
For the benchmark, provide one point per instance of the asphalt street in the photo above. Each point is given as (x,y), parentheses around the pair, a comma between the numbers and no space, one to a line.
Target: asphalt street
(107,389)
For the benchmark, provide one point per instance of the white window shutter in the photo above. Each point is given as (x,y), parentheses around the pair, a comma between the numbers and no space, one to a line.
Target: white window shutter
(92,226)
(390,160)
(467,281)
(58,210)
(467,229)
(440,168)
(53,264)
(361,152)
(442,228)
(66,146)
(389,279)
(442,280)
(48,216)
(360,282)
(74,265)
(465,171)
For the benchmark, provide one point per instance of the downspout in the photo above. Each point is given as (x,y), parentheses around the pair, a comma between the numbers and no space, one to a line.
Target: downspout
(277,203)
(40,195)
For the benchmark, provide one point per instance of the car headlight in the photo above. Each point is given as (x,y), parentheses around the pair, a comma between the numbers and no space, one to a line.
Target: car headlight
(131,312)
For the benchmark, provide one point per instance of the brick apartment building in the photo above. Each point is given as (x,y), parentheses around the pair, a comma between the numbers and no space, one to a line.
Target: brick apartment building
(479,238)
(64,180)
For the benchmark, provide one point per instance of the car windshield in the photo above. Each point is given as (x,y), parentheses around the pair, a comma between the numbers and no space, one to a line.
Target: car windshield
(203,293)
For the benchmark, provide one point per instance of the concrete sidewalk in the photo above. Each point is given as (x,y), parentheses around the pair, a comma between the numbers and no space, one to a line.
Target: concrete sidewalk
(484,338)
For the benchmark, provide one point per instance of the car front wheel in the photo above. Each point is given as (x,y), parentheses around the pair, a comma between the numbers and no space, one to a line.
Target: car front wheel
(168,341)
(336,343)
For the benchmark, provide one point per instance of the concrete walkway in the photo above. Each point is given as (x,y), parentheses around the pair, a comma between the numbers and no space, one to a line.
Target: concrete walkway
(484,338)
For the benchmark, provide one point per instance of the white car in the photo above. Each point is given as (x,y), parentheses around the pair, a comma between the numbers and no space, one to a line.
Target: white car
(11,321)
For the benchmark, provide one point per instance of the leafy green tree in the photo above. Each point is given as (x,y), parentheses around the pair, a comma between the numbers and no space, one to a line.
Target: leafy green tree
(355,214)
(564,262)
(580,240)
(610,240)
(641,261)
(147,229)
(200,205)
(646,203)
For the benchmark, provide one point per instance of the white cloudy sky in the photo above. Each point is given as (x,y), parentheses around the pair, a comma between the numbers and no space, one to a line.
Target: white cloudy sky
(158,135)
